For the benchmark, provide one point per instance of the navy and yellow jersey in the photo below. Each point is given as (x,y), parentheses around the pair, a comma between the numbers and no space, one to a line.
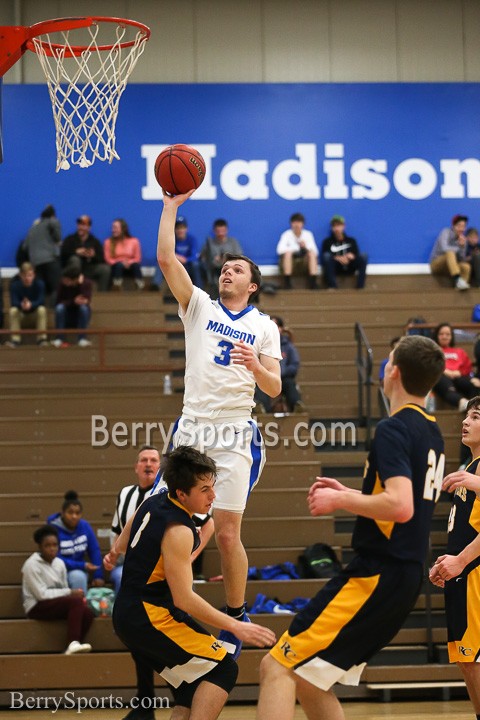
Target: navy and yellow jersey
(464,520)
(143,572)
(408,444)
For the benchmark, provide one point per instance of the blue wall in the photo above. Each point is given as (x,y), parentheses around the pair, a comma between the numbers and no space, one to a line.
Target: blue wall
(414,134)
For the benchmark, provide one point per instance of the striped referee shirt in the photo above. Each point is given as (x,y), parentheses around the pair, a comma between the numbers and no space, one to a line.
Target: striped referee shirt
(128,500)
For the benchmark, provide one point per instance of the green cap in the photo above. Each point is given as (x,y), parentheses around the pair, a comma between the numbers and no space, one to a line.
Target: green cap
(337,219)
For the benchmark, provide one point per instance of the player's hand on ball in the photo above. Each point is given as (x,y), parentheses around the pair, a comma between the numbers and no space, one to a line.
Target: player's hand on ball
(244,354)
(176,200)
(253,634)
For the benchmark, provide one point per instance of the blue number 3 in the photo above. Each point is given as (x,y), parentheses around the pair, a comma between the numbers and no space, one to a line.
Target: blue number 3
(224,357)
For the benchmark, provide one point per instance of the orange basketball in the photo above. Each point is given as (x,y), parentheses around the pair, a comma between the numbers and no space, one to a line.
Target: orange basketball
(179,168)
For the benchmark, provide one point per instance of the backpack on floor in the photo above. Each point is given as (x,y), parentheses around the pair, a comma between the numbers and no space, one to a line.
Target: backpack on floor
(100,600)
(318,561)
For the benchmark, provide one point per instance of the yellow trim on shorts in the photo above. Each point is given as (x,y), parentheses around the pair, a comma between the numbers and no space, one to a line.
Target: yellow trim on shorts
(193,642)
(468,648)
(291,651)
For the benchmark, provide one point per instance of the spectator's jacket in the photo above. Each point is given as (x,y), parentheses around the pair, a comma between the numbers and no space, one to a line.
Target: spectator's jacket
(340,247)
(447,240)
(187,248)
(457,359)
(75,544)
(42,580)
(42,241)
(67,293)
(34,292)
(290,361)
(212,249)
(71,244)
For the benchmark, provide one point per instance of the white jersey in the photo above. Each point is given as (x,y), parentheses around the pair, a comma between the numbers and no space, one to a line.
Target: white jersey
(289,242)
(214,386)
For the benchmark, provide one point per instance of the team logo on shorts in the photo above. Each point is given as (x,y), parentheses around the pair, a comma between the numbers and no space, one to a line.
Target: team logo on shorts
(287,650)
(465,651)
(216,646)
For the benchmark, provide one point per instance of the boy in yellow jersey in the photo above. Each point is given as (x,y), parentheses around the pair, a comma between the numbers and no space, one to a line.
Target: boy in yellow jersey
(154,607)
(459,570)
(361,609)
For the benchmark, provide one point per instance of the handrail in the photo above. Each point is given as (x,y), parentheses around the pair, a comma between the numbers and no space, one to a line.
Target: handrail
(101,365)
(364,363)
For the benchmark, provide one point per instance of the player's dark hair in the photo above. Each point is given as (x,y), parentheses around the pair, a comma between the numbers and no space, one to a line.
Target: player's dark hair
(147,447)
(297,217)
(436,333)
(256,275)
(473,404)
(44,531)
(71,498)
(421,363)
(182,467)
(220,222)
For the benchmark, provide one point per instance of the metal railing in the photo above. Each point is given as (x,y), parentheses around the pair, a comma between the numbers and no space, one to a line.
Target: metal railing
(364,363)
(93,358)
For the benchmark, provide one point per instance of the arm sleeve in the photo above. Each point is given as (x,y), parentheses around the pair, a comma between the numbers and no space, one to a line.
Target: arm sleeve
(354,249)
(282,245)
(55,230)
(15,294)
(393,447)
(107,252)
(271,341)
(443,243)
(37,586)
(94,552)
(193,254)
(137,251)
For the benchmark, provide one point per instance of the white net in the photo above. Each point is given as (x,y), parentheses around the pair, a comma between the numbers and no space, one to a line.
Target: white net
(85,89)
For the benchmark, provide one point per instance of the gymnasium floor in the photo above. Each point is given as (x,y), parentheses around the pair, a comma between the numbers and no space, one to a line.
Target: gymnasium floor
(460,710)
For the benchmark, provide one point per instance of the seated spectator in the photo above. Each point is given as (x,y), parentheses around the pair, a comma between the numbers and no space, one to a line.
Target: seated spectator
(1,302)
(298,244)
(186,251)
(73,306)
(214,251)
(124,255)
(473,254)
(77,541)
(42,245)
(449,254)
(457,384)
(47,596)
(381,369)
(27,306)
(84,251)
(341,256)
(289,366)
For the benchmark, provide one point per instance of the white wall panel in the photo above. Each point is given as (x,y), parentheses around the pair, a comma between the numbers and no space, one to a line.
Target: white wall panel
(228,41)
(363,42)
(296,41)
(471,29)
(430,40)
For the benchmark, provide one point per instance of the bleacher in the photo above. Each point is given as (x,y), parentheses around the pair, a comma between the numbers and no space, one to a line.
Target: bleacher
(49,396)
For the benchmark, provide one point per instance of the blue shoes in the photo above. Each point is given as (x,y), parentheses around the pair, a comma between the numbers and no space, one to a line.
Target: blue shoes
(230,642)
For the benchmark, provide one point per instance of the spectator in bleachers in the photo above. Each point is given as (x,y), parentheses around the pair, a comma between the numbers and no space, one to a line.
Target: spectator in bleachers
(47,596)
(1,302)
(77,542)
(449,254)
(473,254)
(289,366)
(27,305)
(381,369)
(73,308)
(297,243)
(457,384)
(124,254)
(43,247)
(84,251)
(341,255)
(186,251)
(216,247)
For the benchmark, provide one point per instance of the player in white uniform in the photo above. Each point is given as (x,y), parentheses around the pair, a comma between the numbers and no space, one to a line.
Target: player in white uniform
(230,347)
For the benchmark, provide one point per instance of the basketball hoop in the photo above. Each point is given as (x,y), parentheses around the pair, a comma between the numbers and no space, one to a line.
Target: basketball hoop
(87,62)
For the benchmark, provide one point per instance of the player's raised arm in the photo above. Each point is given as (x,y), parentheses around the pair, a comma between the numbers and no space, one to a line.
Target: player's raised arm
(174,272)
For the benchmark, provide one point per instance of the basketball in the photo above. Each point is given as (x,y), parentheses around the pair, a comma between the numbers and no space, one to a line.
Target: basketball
(179,168)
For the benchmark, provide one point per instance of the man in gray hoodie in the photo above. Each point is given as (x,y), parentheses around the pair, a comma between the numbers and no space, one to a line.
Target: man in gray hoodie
(42,244)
